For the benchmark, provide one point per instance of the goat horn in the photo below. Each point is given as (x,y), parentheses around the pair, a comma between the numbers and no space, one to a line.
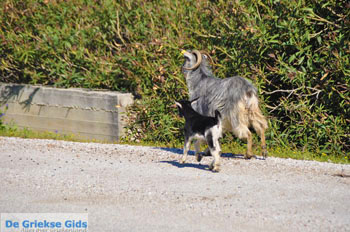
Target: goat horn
(199,60)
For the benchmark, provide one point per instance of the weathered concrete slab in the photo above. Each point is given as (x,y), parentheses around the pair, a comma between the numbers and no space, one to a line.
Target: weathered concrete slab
(85,113)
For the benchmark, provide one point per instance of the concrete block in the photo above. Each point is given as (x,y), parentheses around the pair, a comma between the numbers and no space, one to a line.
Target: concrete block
(86,113)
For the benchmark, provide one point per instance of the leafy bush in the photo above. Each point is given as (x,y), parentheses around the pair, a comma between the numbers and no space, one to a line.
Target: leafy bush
(296,52)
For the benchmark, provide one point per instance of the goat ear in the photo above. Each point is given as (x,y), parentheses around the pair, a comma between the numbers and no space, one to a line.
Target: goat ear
(178,104)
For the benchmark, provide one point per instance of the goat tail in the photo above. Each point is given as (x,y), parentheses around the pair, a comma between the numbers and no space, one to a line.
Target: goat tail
(256,118)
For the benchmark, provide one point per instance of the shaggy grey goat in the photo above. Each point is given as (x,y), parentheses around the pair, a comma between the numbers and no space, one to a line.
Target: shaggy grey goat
(234,97)
(201,128)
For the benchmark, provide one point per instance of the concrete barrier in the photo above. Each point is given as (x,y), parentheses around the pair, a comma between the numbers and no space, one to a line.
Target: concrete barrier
(85,113)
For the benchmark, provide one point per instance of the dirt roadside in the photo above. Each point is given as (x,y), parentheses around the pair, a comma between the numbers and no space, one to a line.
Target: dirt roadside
(130,188)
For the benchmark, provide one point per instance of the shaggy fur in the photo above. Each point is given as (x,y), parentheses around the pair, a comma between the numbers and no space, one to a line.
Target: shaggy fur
(201,128)
(235,98)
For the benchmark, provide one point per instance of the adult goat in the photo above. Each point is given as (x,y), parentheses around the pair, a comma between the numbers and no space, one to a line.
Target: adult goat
(235,98)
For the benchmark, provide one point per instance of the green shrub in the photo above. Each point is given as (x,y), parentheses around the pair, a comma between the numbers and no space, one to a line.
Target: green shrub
(296,52)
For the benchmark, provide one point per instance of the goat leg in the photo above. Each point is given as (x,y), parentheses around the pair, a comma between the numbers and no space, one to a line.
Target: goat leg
(249,153)
(264,151)
(207,152)
(215,151)
(197,145)
(186,148)
(263,144)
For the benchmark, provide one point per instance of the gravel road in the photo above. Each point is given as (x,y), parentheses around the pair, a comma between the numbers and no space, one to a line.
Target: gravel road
(131,188)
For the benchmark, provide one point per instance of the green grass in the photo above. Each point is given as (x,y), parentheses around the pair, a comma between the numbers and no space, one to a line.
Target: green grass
(233,147)
(14,131)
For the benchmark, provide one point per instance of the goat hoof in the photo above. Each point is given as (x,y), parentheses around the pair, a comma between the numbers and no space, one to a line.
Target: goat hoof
(214,168)
(199,157)
(264,154)
(248,157)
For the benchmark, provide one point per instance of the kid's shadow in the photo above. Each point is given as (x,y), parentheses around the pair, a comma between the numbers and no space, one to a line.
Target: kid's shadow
(180,152)
(223,155)
(186,165)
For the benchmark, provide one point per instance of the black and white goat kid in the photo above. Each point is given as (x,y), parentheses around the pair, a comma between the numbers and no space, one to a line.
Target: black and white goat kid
(201,128)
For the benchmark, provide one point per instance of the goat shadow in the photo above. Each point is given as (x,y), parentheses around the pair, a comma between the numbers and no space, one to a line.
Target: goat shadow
(176,163)
(179,151)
